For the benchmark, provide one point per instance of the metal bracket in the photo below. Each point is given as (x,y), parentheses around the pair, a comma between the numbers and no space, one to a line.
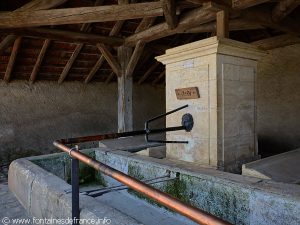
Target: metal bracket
(187,124)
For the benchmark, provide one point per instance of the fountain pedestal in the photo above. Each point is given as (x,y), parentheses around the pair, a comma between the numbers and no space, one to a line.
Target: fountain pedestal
(223,71)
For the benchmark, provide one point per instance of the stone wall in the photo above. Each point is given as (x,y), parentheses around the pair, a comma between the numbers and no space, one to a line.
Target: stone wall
(278,101)
(32,116)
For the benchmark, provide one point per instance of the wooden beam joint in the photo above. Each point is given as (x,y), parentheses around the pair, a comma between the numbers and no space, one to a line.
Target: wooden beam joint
(169,8)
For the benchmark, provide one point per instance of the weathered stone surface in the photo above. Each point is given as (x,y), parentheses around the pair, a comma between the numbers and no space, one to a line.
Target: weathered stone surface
(44,196)
(236,198)
(282,167)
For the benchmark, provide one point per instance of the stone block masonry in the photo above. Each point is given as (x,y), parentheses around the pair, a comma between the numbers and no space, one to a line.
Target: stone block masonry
(224,71)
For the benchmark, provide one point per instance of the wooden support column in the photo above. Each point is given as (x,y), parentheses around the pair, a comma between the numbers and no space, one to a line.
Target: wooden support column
(125,116)
(222,24)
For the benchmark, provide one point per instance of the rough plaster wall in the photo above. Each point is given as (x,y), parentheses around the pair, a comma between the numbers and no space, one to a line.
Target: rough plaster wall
(32,116)
(278,100)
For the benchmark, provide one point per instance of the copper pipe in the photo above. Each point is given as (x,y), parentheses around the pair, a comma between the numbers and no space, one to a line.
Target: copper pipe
(195,214)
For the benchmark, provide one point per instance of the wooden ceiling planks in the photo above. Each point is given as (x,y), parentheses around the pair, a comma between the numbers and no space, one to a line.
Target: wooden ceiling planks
(197,18)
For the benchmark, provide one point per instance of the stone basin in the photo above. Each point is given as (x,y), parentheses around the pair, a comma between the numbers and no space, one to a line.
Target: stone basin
(40,184)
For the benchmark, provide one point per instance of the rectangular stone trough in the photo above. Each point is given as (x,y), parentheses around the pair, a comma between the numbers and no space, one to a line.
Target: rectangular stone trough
(40,183)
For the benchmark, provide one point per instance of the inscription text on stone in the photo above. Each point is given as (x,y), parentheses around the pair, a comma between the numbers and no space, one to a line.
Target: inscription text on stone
(187,93)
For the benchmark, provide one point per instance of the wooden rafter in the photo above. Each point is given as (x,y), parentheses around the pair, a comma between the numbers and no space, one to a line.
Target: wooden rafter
(33,5)
(169,7)
(145,24)
(234,24)
(69,64)
(191,19)
(109,78)
(283,8)
(138,50)
(115,30)
(243,4)
(263,17)
(148,72)
(12,59)
(39,61)
(6,42)
(80,15)
(222,24)
(40,5)
(276,42)
(94,70)
(161,75)
(84,28)
(68,36)
(106,52)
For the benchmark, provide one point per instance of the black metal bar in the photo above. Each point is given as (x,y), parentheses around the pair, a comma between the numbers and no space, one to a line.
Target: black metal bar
(75,189)
(167,113)
(118,135)
(185,121)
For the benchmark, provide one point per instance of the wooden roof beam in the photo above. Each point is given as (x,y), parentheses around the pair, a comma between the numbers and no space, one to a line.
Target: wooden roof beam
(263,17)
(138,50)
(67,36)
(169,7)
(40,5)
(283,8)
(80,15)
(161,75)
(146,23)
(109,78)
(139,47)
(12,59)
(109,58)
(148,72)
(33,5)
(94,70)
(84,27)
(189,20)
(114,31)
(243,4)
(234,24)
(69,64)
(6,42)
(39,61)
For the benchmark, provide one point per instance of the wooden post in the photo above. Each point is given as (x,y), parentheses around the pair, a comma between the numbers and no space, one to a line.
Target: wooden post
(222,24)
(125,122)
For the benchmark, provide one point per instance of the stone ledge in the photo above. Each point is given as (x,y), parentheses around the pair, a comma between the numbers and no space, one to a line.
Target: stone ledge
(43,195)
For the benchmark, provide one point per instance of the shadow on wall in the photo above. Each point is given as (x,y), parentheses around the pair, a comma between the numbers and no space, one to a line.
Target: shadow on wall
(278,101)
(269,146)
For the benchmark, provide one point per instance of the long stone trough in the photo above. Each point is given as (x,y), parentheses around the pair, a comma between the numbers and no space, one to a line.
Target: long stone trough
(40,184)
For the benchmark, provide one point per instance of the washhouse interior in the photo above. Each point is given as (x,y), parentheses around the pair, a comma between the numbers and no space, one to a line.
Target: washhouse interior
(150,112)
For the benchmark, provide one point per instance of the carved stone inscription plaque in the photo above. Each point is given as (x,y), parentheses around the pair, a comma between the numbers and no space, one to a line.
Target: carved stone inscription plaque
(187,93)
